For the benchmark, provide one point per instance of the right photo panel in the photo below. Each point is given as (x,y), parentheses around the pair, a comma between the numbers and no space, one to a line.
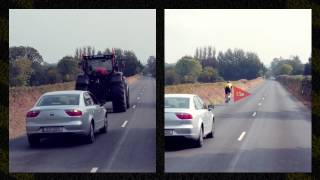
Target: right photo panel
(237,90)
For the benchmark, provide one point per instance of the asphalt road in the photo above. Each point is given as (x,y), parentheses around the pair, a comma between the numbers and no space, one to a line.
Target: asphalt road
(129,145)
(269,131)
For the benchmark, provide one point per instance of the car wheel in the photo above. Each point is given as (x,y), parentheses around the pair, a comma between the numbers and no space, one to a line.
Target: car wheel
(211,134)
(199,141)
(90,137)
(33,140)
(104,129)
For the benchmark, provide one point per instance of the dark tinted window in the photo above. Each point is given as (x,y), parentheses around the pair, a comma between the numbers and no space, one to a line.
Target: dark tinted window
(176,102)
(93,64)
(61,99)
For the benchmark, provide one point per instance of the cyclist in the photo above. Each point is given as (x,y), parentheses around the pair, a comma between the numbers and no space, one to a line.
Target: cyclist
(228,90)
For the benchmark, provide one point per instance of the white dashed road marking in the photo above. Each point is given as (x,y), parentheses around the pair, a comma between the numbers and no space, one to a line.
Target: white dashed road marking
(254,114)
(124,124)
(138,98)
(94,169)
(259,104)
(134,106)
(241,136)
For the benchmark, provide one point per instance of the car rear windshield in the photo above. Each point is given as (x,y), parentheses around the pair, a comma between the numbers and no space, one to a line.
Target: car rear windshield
(176,102)
(59,100)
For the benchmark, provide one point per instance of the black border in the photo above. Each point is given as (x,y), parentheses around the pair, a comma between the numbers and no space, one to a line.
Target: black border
(160,6)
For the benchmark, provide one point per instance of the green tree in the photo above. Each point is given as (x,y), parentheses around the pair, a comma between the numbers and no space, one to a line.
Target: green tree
(13,72)
(209,75)
(204,53)
(285,69)
(23,67)
(209,52)
(171,77)
(23,52)
(107,51)
(294,62)
(151,65)
(38,75)
(189,69)
(129,63)
(237,64)
(89,50)
(297,66)
(307,68)
(196,54)
(53,75)
(68,68)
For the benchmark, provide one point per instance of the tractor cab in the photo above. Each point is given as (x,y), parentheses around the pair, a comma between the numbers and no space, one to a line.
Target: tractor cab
(98,65)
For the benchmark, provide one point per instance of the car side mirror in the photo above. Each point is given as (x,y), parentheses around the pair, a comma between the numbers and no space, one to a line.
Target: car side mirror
(210,107)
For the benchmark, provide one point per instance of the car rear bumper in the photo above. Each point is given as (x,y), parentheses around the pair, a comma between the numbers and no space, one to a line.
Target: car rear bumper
(187,131)
(72,127)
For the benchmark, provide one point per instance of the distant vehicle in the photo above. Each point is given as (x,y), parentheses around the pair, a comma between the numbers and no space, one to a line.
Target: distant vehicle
(66,113)
(102,76)
(186,115)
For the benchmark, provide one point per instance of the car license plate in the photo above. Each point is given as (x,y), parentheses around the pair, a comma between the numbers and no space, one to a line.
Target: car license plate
(168,132)
(51,129)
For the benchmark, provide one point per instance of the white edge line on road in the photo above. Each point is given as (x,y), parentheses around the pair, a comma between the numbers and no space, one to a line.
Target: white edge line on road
(254,114)
(94,169)
(241,136)
(124,124)
(134,106)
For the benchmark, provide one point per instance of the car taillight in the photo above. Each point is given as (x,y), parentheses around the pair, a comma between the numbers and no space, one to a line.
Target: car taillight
(184,116)
(32,114)
(73,112)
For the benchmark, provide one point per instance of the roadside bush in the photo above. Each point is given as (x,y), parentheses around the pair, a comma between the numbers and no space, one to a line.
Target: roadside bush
(209,74)
(171,77)
(298,84)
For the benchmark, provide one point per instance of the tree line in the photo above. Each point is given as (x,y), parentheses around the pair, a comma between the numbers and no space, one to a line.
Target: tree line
(27,67)
(151,66)
(206,66)
(290,66)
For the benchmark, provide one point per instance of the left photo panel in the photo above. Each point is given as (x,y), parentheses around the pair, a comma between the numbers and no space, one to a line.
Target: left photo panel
(82,95)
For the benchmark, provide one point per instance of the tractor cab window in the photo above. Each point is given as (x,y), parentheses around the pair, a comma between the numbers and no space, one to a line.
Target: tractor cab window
(94,64)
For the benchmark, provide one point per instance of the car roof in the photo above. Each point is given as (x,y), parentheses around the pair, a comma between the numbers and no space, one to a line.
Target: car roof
(180,95)
(64,92)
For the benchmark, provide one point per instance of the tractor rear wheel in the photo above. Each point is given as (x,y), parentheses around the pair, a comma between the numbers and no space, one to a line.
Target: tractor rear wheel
(119,100)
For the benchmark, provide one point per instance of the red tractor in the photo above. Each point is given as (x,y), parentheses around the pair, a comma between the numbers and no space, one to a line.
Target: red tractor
(103,78)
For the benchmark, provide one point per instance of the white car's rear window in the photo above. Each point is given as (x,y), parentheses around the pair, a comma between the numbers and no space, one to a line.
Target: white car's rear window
(176,102)
(59,100)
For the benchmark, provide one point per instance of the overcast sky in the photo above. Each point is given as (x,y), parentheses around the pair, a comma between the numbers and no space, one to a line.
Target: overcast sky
(56,33)
(269,33)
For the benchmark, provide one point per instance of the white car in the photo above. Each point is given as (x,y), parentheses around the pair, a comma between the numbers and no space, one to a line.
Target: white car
(66,113)
(186,115)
